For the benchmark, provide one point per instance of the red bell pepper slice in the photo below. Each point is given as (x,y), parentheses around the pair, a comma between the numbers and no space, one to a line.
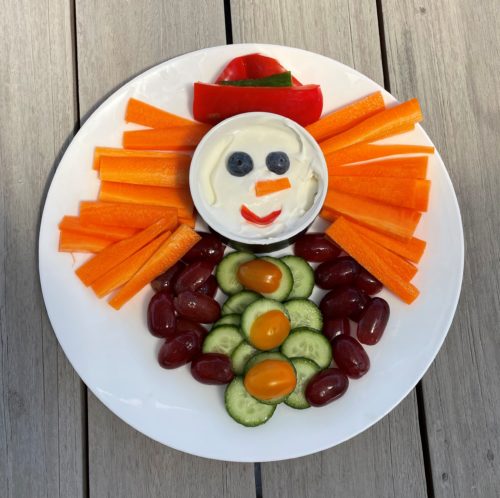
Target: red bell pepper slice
(259,220)
(214,103)
(252,66)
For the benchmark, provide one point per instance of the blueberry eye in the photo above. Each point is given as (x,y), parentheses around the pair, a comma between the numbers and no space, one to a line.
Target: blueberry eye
(239,164)
(278,162)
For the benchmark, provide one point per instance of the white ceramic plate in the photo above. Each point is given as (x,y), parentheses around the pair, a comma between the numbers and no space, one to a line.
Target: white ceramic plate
(116,356)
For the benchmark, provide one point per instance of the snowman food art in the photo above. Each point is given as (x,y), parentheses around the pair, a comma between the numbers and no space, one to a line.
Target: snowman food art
(259,180)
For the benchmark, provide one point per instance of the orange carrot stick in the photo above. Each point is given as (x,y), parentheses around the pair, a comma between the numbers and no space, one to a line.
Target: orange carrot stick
(411,249)
(346,117)
(178,138)
(171,171)
(402,192)
(266,187)
(75,224)
(190,221)
(166,256)
(403,267)
(81,242)
(381,125)
(144,194)
(126,215)
(138,154)
(147,115)
(365,152)
(372,257)
(400,167)
(397,221)
(123,272)
(113,255)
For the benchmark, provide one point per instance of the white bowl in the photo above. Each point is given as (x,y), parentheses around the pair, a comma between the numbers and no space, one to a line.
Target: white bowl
(216,222)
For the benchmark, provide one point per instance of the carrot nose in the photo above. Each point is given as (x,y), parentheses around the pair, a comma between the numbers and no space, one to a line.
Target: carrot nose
(266,187)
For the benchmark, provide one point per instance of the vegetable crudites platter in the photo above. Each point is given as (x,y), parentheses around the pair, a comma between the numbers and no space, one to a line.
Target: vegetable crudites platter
(247,243)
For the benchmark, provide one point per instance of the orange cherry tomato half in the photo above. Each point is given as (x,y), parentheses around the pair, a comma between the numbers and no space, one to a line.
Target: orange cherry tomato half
(270,379)
(269,330)
(259,275)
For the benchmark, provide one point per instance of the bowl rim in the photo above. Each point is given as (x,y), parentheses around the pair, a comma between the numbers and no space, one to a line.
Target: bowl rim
(305,221)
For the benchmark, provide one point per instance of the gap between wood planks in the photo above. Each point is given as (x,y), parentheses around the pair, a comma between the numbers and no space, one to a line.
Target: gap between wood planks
(84,389)
(422,420)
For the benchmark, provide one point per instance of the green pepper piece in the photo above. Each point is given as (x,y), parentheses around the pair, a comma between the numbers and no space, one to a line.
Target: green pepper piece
(276,80)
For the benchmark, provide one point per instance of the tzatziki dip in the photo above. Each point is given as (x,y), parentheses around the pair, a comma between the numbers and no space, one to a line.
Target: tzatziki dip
(257,177)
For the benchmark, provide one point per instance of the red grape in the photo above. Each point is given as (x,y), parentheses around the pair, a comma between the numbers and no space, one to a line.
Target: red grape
(326,386)
(193,276)
(209,248)
(167,279)
(197,307)
(350,356)
(373,321)
(341,302)
(341,271)
(367,283)
(209,288)
(363,303)
(183,325)
(336,326)
(161,315)
(316,247)
(212,368)
(179,350)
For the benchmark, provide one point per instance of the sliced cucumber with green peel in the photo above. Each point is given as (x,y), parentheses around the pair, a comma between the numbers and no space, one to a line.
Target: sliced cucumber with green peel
(227,269)
(240,357)
(304,313)
(305,370)
(256,309)
(303,277)
(275,80)
(286,282)
(308,344)
(237,303)
(223,339)
(259,358)
(243,408)
(231,319)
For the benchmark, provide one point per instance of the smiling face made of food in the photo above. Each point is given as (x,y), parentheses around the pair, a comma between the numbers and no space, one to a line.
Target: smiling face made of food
(260,179)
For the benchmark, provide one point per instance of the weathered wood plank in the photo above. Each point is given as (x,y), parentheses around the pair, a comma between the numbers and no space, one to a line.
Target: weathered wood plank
(448,55)
(386,460)
(41,436)
(111,49)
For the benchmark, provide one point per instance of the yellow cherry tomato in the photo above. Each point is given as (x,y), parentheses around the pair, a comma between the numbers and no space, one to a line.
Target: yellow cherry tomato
(270,379)
(269,330)
(259,275)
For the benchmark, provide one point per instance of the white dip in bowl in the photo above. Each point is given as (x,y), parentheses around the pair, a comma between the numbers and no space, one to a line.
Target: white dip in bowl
(221,196)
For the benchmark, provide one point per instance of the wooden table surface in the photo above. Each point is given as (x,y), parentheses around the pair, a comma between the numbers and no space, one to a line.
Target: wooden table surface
(60,58)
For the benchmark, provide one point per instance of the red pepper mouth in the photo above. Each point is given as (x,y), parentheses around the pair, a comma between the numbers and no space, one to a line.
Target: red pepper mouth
(250,216)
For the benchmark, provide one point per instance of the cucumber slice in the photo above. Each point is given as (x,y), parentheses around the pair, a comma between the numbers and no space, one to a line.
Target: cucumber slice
(304,313)
(237,303)
(243,408)
(305,369)
(227,268)
(256,309)
(303,277)
(231,319)
(268,356)
(286,283)
(308,344)
(240,357)
(223,339)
